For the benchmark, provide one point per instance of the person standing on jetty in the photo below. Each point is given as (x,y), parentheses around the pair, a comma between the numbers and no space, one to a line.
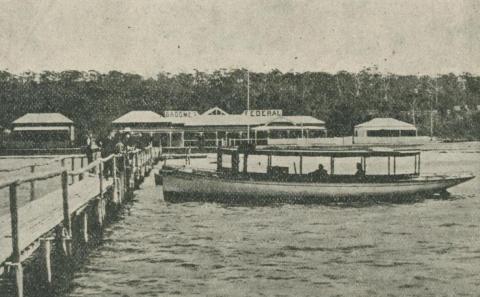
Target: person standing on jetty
(108,148)
(89,147)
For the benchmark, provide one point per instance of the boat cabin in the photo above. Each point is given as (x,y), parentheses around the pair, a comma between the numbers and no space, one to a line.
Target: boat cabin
(364,157)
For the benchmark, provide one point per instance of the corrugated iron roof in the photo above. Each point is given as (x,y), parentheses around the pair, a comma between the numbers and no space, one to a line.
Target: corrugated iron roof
(386,123)
(140,116)
(212,120)
(43,118)
(244,120)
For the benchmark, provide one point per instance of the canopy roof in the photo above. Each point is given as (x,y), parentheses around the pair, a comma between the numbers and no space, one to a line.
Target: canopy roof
(386,123)
(43,118)
(42,128)
(140,116)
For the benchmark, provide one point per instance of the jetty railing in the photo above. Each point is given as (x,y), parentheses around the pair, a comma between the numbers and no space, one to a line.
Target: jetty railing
(82,190)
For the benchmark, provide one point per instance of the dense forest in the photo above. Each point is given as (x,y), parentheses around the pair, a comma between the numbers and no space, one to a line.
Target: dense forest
(343,99)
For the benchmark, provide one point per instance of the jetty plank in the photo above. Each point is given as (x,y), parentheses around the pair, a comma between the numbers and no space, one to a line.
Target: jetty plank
(43,214)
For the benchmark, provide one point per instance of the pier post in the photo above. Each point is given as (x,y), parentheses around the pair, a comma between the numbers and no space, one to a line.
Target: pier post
(98,213)
(84,225)
(15,272)
(114,175)
(62,162)
(46,247)
(15,267)
(101,188)
(67,223)
(80,176)
(32,184)
(100,178)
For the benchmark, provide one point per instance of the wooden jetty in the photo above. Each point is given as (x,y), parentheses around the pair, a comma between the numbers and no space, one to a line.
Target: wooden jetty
(85,193)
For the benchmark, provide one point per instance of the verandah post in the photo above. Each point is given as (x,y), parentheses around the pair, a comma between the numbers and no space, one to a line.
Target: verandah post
(219,158)
(73,168)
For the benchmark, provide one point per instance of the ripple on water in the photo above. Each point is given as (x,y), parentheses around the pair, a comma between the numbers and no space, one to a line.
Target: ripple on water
(422,248)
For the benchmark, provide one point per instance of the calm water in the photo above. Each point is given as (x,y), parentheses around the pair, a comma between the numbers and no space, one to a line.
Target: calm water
(427,248)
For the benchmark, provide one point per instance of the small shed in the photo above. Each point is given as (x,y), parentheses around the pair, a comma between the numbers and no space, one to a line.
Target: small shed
(385,127)
(52,129)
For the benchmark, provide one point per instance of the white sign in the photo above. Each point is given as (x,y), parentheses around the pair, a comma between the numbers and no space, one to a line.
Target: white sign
(180,113)
(263,112)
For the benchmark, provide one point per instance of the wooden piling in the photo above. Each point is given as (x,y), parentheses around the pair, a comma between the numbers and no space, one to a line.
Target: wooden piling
(67,223)
(15,268)
(32,184)
(114,175)
(15,272)
(80,176)
(84,225)
(98,213)
(100,178)
(46,247)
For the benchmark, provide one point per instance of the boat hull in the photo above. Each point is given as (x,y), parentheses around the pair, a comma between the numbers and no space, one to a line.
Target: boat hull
(190,186)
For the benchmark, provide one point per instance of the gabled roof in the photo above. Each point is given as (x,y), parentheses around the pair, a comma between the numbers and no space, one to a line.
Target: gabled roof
(140,116)
(305,120)
(384,123)
(215,111)
(280,120)
(43,118)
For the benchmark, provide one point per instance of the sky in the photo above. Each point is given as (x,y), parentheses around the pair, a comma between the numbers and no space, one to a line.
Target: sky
(147,37)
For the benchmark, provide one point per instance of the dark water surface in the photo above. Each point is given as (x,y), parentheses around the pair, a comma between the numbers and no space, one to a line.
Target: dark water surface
(427,248)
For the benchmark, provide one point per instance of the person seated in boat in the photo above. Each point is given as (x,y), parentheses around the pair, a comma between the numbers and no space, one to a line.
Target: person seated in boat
(319,174)
(360,171)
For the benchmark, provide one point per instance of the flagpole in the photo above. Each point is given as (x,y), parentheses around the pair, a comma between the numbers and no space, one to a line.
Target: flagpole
(248,105)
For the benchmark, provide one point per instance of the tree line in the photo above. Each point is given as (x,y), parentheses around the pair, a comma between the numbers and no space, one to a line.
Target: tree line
(343,99)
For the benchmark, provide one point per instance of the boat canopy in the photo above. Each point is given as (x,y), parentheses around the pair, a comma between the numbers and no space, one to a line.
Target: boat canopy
(327,153)
(332,154)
